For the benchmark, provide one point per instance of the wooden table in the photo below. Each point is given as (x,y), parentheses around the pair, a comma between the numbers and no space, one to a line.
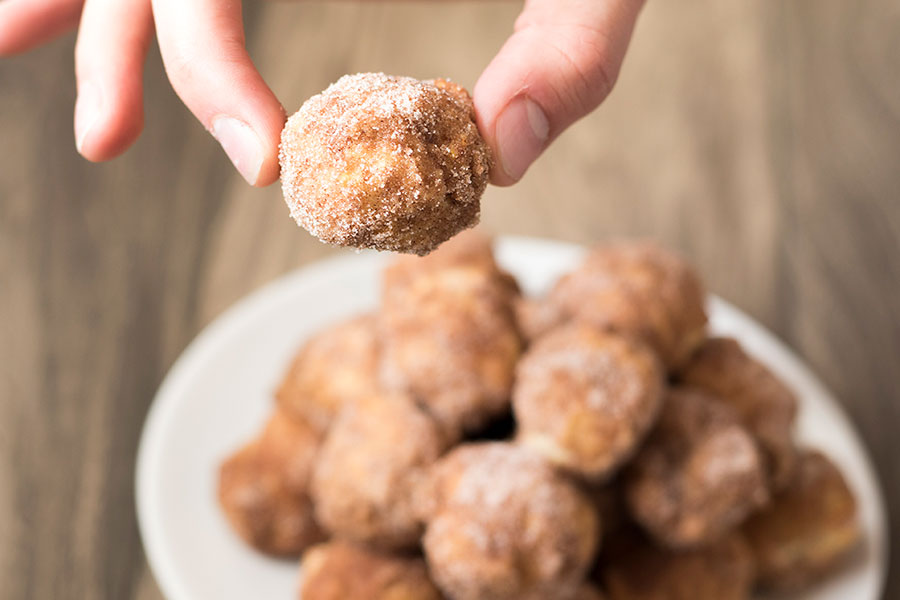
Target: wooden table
(760,138)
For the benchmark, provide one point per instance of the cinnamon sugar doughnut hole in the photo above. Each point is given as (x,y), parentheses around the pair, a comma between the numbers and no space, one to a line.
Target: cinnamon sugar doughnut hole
(638,289)
(585,398)
(335,367)
(263,488)
(699,474)
(809,530)
(766,406)
(370,468)
(448,334)
(503,524)
(385,162)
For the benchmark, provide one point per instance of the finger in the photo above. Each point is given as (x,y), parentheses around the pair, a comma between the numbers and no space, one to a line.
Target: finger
(560,63)
(202,45)
(109,65)
(25,24)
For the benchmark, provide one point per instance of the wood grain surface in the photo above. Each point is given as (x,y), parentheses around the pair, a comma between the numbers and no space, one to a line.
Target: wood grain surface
(760,138)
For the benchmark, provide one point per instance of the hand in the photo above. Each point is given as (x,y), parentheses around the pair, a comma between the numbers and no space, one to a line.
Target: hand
(560,63)
(558,66)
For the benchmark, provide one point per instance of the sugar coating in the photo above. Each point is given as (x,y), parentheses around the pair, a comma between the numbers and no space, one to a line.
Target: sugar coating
(765,405)
(698,476)
(638,289)
(448,334)
(385,162)
(586,398)
(505,525)
(373,459)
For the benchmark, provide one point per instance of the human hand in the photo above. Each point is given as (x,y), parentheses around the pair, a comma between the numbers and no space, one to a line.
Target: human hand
(560,63)
(202,45)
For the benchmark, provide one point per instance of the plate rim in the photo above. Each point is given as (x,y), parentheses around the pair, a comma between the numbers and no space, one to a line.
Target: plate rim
(223,325)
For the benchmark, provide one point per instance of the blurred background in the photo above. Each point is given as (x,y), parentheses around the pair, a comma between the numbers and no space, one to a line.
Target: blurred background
(761,139)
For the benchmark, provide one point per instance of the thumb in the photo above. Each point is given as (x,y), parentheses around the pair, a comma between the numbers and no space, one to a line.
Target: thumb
(560,63)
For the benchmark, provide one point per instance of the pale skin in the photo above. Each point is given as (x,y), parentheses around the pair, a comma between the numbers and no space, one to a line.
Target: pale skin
(559,64)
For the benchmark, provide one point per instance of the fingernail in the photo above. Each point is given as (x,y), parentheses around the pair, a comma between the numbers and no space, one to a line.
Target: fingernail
(522,132)
(87,111)
(241,144)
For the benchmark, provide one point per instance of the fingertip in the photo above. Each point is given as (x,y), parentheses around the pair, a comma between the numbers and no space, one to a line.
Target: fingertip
(107,122)
(268,176)
(512,118)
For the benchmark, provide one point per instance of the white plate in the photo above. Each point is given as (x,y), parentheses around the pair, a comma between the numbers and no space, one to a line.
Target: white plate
(219,392)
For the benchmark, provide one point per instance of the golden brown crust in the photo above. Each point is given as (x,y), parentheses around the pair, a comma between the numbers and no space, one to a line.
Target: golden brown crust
(342,571)
(766,406)
(699,474)
(263,488)
(502,524)
(807,530)
(449,339)
(384,162)
(585,398)
(334,367)
(641,290)
(370,468)
(639,571)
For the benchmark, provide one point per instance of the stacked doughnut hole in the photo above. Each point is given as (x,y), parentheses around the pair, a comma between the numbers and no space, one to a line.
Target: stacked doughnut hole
(467,442)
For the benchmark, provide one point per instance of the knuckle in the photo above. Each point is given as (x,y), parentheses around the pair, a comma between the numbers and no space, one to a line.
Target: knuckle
(594,72)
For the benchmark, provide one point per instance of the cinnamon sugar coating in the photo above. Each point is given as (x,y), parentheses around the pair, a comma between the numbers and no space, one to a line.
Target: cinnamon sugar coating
(699,474)
(637,570)
(585,398)
(263,488)
(502,524)
(766,406)
(334,367)
(384,162)
(808,530)
(370,468)
(449,338)
(342,571)
(638,289)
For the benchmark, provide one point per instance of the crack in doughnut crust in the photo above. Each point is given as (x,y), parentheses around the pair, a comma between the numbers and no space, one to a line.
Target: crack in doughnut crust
(342,571)
(263,488)
(370,468)
(766,406)
(384,162)
(638,289)
(699,475)
(503,524)
(336,366)
(639,571)
(807,530)
(448,334)
(585,398)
